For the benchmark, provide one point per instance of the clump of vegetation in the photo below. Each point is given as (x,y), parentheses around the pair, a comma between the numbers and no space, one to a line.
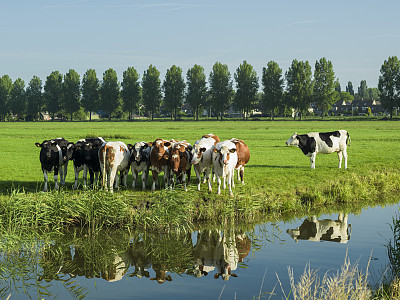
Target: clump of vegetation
(348,283)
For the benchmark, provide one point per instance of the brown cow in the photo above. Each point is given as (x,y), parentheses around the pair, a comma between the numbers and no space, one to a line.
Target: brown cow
(179,163)
(243,154)
(159,157)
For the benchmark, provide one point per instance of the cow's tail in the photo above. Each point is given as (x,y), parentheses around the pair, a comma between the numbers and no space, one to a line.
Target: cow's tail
(348,141)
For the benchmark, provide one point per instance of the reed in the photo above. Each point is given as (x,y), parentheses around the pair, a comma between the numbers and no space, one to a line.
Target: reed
(347,283)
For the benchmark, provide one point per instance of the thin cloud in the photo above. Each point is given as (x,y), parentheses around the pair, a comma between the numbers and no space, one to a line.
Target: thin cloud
(386,36)
(169,6)
(299,23)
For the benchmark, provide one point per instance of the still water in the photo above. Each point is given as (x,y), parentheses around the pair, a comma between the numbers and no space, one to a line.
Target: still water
(216,263)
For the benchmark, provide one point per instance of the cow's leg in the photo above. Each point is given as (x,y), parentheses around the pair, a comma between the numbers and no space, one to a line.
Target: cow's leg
(209,179)
(166,176)
(116,180)
(56,177)
(241,172)
(76,178)
(219,185)
(171,180)
(134,176)
(198,175)
(184,180)
(96,179)
(46,179)
(85,169)
(144,178)
(124,177)
(113,177)
(63,173)
(155,178)
(340,155)
(345,158)
(312,159)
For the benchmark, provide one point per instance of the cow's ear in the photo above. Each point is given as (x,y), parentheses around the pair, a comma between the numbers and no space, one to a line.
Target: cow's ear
(215,150)
(53,144)
(150,144)
(130,146)
(70,145)
(203,149)
(146,145)
(167,144)
(38,145)
(166,156)
(234,275)
(232,150)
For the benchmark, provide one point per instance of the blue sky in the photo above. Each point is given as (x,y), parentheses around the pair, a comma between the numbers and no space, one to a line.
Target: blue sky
(41,36)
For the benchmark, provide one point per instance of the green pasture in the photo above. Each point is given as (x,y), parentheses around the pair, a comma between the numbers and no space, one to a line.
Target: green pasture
(272,167)
(278,179)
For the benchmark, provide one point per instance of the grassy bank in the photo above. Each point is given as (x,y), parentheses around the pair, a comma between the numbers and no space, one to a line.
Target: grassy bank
(279,181)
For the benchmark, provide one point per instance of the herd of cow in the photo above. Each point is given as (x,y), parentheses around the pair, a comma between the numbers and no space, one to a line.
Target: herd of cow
(174,158)
(208,156)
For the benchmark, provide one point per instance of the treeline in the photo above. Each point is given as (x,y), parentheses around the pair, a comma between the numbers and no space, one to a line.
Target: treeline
(281,94)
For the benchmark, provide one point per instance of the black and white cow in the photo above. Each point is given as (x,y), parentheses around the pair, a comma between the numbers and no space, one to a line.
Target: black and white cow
(140,161)
(54,156)
(322,142)
(85,154)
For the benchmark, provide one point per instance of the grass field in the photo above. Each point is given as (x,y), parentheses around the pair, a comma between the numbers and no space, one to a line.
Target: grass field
(277,177)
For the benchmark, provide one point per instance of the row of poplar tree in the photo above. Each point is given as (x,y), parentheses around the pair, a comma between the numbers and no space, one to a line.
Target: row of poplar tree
(297,89)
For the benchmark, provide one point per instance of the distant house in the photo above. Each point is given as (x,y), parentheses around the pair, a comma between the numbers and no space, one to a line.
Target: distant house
(357,107)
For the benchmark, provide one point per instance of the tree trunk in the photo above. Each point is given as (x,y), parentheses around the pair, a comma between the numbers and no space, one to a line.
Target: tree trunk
(90,115)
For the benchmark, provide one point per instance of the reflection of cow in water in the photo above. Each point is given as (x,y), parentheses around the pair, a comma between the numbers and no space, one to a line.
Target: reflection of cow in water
(323,230)
(156,257)
(220,252)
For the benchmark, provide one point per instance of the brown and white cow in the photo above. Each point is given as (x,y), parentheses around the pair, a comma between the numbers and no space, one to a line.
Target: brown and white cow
(243,154)
(225,159)
(180,163)
(114,157)
(202,157)
(159,158)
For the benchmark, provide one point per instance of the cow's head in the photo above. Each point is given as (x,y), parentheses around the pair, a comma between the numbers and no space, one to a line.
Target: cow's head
(75,151)
(160,148)
(178,156)
(197,154)
(137,151)
(64,150)
(293,140)
(223,151)
(48,147)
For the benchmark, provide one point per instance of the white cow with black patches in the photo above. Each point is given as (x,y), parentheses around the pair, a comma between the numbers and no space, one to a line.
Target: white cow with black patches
(54,156)
(224,159)
(140,161)
(322,142)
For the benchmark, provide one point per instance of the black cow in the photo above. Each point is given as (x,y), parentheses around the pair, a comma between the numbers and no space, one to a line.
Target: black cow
(322,142)
(85,154)
(54,156)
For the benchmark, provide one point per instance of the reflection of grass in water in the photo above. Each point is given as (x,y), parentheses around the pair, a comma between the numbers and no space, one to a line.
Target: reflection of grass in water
(20,273)
(390,288)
